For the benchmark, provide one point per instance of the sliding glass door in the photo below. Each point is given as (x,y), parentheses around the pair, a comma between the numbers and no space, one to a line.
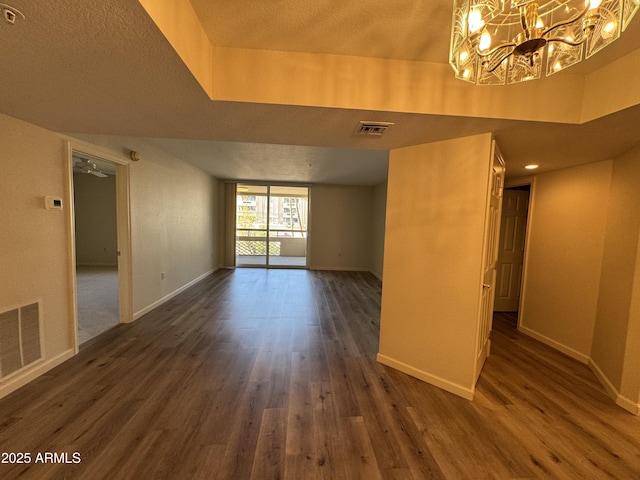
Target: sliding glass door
(271,226)
(251,225)
(288,211)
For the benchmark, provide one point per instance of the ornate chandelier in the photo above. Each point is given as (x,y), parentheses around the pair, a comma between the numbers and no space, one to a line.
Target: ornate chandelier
(497,42)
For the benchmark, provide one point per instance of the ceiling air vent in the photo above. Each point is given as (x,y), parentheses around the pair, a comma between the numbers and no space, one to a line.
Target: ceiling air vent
(372,129)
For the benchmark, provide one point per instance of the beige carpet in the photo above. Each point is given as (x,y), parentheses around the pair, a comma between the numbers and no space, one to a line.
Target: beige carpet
(98,308)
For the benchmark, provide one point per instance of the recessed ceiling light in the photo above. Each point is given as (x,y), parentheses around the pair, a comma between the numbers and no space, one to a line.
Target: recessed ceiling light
(531,167)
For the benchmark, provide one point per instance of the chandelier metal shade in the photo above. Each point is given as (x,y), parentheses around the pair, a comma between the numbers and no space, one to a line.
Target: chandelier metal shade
(498,42)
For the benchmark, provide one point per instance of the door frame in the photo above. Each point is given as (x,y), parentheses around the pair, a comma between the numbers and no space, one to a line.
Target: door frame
(513,276)
(123,219)
(520,182)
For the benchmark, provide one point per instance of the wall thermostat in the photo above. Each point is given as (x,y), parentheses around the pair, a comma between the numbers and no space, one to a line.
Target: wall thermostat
(53,203)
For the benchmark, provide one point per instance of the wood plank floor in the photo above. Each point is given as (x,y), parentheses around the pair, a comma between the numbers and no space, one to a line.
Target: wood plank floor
(256,374)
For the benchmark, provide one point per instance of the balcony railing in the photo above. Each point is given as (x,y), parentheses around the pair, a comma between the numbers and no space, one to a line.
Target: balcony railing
(253,242)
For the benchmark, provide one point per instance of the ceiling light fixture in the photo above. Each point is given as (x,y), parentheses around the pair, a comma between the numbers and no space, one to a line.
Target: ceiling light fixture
(87,166)
(498,42)
(531,167)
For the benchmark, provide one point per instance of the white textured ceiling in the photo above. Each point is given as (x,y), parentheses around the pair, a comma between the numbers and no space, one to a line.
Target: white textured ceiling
(399,29)
(95,67)
(284,163)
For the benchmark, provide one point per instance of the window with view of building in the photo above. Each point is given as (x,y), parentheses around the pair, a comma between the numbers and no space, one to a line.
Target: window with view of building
(271,225)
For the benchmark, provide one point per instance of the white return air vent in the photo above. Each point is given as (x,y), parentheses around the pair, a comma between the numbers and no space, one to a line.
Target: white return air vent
(20,344)
(372,129)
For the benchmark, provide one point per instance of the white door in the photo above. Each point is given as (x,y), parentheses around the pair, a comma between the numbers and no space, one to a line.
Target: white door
(511,254)
(492,230)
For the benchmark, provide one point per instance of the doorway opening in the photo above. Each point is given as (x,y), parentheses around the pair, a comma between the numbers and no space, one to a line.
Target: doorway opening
(513,233)
(92,292)
(96,246)
(271,226)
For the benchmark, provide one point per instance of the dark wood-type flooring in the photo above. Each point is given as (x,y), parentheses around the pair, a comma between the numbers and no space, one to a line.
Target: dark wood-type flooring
(271,374)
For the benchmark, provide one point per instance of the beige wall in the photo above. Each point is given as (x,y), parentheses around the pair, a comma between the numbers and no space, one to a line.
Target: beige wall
(617,321)
(567,220)
(181,27)
(340,223)
(436,204)
(34,254)
(175,229)
(174,216)
(330,80)
(581,291)
(174,226)
(95,219)
(377,229)
(630,385)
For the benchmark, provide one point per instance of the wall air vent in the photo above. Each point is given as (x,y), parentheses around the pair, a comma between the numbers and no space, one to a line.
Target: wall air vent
(372,129)
(20,344)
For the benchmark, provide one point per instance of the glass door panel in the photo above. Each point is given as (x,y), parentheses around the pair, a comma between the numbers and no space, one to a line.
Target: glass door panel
(288,215)
(271,226)
(251,225)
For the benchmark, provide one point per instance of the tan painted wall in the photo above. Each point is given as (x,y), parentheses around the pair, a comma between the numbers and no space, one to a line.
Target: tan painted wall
(378,229)
(436,203)
(95,219)
(630,386)
(174,209)
(174,220)
(582,275)
(33,241)
(617,308)
(613,87)
(316,79)
(174,227)
(567,220)
(340,227)
(179,24)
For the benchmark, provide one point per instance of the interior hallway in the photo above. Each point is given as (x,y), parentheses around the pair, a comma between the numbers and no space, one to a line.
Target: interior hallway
(260,374)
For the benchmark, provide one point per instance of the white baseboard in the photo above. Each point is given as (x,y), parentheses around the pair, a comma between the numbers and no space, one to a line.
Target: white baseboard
(581,357)
(15,382)
(615,395)
(378,275)
(111,265)
(628,405)
(446,385)
(602,378)
(339,269)
(168,297)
